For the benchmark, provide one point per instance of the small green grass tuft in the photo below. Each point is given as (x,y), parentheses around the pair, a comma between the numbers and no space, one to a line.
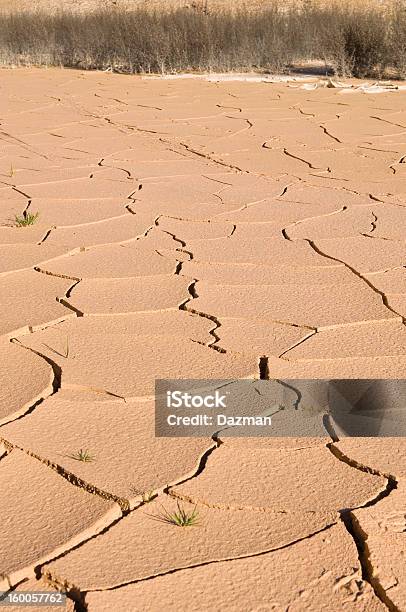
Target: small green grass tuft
(82,455)
(27,218)
(180,518)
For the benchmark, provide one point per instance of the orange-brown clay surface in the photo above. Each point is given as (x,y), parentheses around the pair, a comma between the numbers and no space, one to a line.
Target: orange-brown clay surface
(186,229)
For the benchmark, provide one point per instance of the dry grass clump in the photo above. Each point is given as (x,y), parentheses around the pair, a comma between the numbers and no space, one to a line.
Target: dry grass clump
(352,39)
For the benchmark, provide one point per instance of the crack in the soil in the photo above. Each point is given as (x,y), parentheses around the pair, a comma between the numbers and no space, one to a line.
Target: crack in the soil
(76,279)
(327,133)
(361,541)
(373,222)
(296,391)
(214,561)
(355,530)
(360,276)
(71,307)
(72,478)
(165,490)
(212,159)
(392,482)
(46,235)
(389,122)
(56,369)
(302,112)
(263,368)
(298,343)
(71,288)
(304,161)
(311,218)
(185,305)
(213,332)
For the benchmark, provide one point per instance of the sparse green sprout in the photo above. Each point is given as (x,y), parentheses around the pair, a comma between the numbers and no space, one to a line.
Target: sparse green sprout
(181,517)
(27,218)
(82,455)
(11,173)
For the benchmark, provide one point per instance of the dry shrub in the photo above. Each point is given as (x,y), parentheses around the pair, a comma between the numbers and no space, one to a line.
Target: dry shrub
(365,35)
(397,46)
(359,40)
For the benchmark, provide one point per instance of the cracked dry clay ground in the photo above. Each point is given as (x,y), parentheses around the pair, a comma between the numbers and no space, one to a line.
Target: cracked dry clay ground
(188,229)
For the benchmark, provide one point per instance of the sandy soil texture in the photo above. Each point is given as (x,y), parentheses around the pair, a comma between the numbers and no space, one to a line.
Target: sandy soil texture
(186,229)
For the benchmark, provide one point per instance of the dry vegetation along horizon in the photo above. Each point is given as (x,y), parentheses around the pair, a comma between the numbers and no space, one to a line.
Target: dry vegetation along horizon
(350,39)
